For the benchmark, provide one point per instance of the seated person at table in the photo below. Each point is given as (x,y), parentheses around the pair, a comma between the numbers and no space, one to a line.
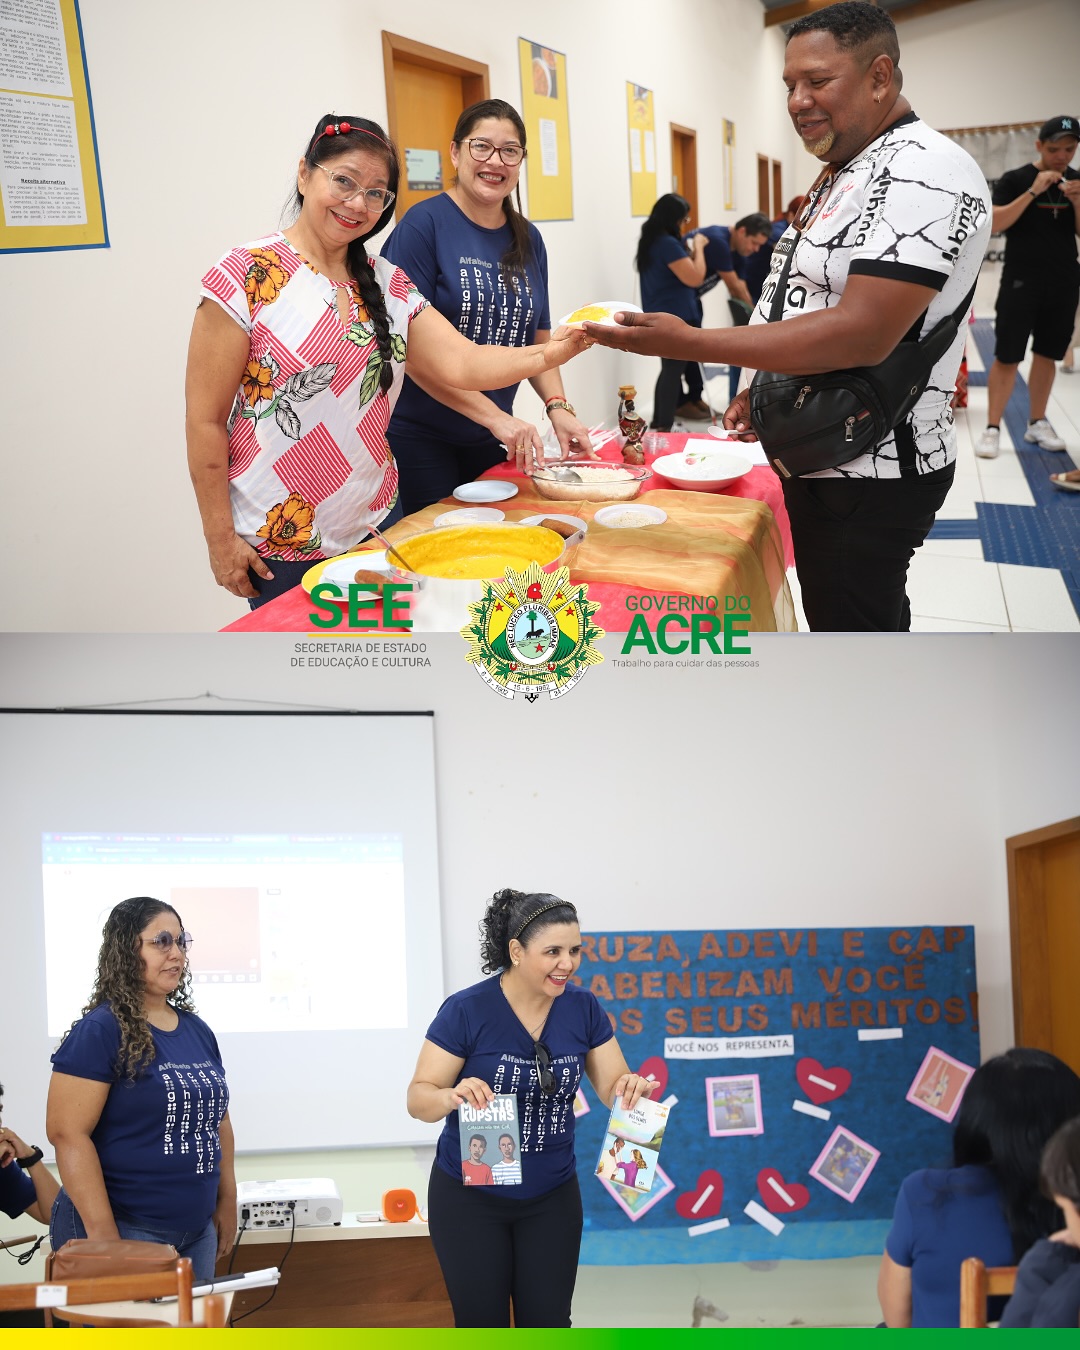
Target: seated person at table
(987,1204)
(26,1184)
(295,367)
(1047,1292)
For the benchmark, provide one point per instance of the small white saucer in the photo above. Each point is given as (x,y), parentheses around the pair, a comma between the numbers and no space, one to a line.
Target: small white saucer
(642,514)
(486,490)
(471,515)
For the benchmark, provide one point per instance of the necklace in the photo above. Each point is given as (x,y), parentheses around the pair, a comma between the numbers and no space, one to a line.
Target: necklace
(539,1028)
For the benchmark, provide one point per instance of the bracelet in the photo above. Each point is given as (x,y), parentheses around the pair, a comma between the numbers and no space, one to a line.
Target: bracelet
(1033,195)
(559,403)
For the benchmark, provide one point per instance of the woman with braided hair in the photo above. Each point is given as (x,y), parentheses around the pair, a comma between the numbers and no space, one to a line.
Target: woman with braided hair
(295,368)
(528,1030)
(138,1105)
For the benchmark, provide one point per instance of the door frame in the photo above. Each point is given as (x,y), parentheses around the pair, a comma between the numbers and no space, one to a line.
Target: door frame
(690,190)
(475,76)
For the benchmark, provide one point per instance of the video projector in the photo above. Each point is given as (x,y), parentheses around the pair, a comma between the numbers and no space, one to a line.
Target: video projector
(310,1202)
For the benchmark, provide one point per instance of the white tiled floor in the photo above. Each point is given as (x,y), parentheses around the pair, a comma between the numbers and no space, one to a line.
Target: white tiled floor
(952,588)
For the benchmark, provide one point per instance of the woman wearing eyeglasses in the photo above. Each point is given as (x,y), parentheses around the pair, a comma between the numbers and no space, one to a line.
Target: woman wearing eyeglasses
(138,1104)
(296,364)
(530,1031)
(484,267)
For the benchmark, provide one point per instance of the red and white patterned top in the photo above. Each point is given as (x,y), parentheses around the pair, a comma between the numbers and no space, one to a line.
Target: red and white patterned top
(309,465)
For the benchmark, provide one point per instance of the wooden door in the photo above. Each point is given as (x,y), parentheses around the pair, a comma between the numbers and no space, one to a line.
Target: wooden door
(684,168)
(1044,925)
(426,89)
(778,202)
(763,184)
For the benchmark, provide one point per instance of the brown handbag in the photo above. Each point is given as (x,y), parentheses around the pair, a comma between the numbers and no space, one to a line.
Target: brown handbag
(85,1258)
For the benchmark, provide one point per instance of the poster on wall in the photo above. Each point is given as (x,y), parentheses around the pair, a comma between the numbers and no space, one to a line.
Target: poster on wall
(729,164)
(642,127)
(50,184)
(546,113)
(806,1072)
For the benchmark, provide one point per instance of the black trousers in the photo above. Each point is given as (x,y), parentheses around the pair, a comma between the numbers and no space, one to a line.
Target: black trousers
(668,393)
(495,1250)
(853,540)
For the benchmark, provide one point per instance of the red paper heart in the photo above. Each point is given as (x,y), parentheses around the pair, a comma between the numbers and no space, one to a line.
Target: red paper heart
(711,1207)
(774,1201)
(839,1078)
(655,1067)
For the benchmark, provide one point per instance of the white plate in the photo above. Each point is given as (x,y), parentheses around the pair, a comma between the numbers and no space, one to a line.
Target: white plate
(470,515)
(486,490)
(612,306)
(576,521)
(648,515)
(342,571)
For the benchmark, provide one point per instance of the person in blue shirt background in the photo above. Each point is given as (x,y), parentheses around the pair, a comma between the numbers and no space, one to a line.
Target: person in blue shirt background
(26,1184)
(483,266)
(138,1104)
(988,1203)
(527,1030)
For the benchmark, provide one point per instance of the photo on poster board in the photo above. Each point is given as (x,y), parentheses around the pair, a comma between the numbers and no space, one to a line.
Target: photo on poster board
(545,111)
(641,123)
(50,184)
(635,1203)
(845,1163)
(729,164)
(939,1085)
(734,1105)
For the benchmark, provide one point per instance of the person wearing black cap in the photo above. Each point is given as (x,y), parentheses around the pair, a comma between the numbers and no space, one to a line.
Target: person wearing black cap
(1038,208)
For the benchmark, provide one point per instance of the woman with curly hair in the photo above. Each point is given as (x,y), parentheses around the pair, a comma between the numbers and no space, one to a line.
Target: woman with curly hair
(295,367)
(530,1031)
(138,1105)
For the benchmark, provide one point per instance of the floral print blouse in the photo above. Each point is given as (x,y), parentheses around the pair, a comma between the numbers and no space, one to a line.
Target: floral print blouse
(309,465)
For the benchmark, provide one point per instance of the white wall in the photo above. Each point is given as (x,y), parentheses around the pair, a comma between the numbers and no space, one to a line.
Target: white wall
(780,796)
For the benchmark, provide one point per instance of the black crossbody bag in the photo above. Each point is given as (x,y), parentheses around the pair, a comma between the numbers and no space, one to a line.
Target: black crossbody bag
(810,422)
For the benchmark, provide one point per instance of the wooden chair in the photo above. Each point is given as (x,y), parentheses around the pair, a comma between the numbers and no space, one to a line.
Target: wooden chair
(978,1283)
(175,1283)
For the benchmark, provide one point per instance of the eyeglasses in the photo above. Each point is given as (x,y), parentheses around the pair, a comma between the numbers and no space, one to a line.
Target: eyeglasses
(345,189)
(543,1068)
(482,151)
(164,941)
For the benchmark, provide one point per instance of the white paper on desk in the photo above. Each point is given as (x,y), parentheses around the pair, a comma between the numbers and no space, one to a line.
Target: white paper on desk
(699,445)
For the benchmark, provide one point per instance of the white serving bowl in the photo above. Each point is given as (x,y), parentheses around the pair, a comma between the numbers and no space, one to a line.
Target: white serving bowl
(708,472)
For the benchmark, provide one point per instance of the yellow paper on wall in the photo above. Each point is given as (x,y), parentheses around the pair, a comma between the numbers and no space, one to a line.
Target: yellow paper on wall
(641,122)
(546,113)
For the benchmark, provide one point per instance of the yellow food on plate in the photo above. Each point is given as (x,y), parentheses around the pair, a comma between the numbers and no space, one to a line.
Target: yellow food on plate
(479,552)
(590,314)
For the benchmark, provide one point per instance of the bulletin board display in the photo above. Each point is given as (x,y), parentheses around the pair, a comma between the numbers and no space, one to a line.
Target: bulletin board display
(808,1072)
(545,110)
(641,124)
(50,185)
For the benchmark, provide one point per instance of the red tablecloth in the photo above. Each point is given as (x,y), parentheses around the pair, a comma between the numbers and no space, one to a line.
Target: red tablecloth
(290,613)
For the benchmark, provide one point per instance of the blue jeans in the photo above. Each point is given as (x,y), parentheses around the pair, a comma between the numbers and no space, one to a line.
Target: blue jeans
(199,1245)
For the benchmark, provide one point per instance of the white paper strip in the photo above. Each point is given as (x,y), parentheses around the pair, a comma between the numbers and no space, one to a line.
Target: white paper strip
(702,1198)
(724,1047)
(822,1082)
(763,1217)
(881,1033)
(781,1192)
(712,1227)
(51,1295)
(808,1109)
(669,1102)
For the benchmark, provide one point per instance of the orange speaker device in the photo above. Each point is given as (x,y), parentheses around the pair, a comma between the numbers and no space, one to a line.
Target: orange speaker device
(398,1206)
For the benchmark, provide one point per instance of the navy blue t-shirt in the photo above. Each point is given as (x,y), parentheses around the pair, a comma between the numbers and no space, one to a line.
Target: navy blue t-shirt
(157,1137)
(661,290)
(455,263)
(479,1026)
(1047,1291)
(942,1217)
(17,1192)
(756,267)
(719,255)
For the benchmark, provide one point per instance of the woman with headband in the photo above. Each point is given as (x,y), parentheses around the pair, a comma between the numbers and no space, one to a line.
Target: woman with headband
(294,369)
(484,267)
(527,1030)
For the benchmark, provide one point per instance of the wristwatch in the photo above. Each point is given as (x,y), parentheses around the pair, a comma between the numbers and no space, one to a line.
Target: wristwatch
(1033,195)
(30,1160)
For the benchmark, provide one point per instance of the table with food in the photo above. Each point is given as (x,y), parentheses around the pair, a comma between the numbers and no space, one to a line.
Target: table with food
(697,518)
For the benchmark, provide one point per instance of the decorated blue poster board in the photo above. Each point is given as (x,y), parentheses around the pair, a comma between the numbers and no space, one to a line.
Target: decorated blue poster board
(809,1071)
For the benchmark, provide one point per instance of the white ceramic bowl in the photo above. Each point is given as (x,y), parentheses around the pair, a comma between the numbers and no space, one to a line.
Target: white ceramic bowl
(710,472)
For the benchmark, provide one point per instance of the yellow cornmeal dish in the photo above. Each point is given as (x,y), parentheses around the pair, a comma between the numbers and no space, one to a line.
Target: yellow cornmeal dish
(590,314)
(479,552)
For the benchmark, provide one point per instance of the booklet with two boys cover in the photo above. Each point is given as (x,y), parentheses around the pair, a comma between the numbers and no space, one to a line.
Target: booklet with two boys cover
(490,1143)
